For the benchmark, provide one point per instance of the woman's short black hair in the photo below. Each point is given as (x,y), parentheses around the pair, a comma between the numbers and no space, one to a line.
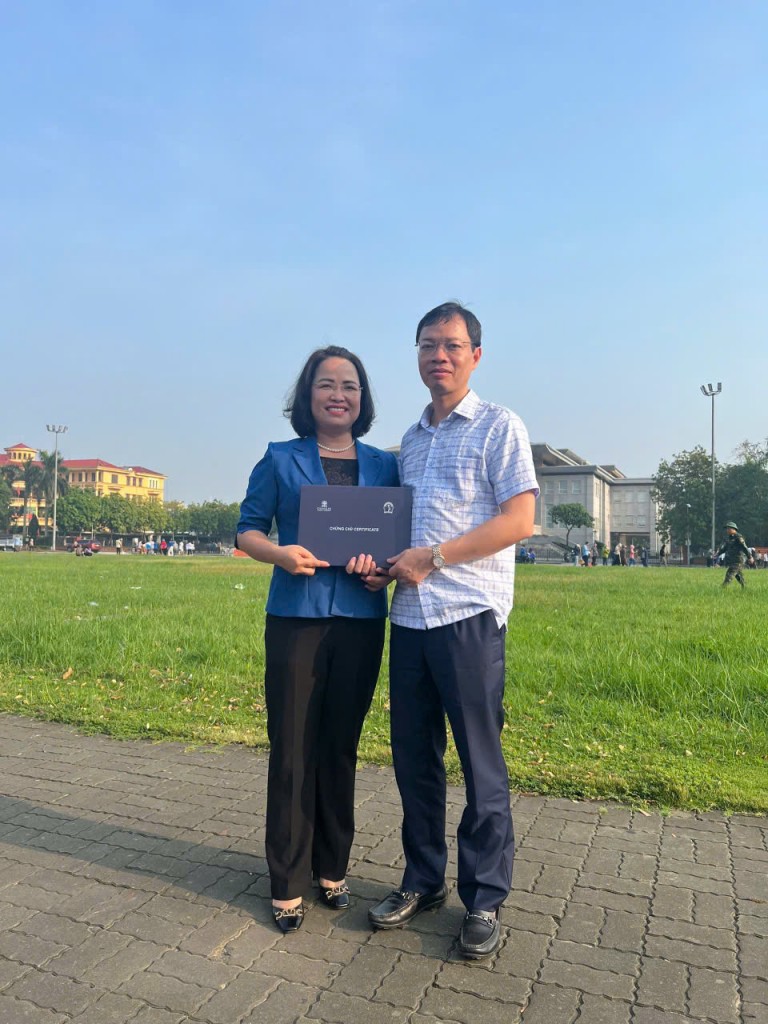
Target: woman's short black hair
(298,405)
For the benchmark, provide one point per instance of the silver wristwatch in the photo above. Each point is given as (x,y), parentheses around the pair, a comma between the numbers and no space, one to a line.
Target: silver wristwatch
(437,557)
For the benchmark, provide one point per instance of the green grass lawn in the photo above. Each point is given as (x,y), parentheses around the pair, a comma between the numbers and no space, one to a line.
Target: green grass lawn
(646,685)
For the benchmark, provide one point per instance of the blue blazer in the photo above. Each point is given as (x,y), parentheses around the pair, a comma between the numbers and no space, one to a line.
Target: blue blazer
(273,492)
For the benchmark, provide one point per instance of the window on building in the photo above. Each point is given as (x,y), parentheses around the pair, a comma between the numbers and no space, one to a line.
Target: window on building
(547,486)
(101,477)
(114,478)
(576,487)
(641,521)
(93,478)
(562,486)
(79,478)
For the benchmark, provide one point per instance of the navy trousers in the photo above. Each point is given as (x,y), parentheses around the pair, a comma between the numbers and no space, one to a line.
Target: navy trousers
(458,671)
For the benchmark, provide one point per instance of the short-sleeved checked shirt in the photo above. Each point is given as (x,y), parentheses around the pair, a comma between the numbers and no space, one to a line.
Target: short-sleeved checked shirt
(461,471)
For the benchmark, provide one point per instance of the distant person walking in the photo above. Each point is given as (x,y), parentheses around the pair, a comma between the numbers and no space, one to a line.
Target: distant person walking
(735,553)
(663,554)
(119,546)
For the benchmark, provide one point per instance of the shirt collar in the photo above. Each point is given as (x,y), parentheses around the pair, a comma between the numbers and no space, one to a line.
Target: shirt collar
(467,408)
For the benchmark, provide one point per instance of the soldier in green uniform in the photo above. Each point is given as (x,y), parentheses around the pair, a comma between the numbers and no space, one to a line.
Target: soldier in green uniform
(736,553)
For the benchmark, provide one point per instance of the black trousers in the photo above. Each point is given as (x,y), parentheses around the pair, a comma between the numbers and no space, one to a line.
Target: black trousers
(455,671)
(320,678)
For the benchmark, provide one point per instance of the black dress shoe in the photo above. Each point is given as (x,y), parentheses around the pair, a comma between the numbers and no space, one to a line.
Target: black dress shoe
(480,934)
(400,906)
(337,898)
(288,919)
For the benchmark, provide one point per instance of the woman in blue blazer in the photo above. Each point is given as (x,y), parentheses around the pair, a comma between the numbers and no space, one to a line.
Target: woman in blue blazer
(324,633)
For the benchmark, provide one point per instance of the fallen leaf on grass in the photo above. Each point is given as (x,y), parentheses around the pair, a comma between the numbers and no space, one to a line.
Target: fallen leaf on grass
(68,673)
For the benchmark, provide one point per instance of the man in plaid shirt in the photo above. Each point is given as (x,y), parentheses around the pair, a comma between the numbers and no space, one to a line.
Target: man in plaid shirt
(474,489)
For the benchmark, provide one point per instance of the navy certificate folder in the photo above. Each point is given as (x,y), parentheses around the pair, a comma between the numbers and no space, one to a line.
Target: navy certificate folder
(337,523)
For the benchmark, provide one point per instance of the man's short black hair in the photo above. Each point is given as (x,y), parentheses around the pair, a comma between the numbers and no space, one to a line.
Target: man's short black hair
(298,405)
(447,311)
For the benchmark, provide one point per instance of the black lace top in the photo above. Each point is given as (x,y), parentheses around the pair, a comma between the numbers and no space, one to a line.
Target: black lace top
(340,471)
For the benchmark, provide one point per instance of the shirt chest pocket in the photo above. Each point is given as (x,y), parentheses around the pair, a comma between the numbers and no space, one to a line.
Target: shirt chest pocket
(456,481)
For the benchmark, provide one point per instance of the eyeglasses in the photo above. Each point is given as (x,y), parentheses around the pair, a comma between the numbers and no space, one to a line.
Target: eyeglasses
(451,348)
(325,387)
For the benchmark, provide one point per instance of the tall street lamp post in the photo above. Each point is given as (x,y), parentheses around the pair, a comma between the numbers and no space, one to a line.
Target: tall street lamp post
(687,534)
(709,392)
(56,430)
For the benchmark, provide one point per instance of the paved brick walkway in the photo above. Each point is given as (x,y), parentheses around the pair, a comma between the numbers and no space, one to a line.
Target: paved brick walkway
(133,888)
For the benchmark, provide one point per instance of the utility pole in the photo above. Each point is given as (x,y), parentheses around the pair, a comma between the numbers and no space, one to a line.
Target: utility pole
(709,392)
(51,428)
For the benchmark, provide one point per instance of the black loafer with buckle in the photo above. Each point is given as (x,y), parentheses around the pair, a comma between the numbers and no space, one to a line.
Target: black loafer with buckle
(337,898)
(480,934)
(288,919)
(401,905)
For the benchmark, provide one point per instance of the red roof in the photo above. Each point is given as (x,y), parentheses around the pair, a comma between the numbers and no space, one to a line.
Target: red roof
(88,464)
(144,471)
(101,464)
(6,460)
(27,447)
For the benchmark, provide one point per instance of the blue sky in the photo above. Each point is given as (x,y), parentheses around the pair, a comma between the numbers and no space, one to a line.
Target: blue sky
(193,196)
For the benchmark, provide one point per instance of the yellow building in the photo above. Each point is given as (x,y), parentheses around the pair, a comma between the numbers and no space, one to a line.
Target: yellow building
(20,456)
(134,482)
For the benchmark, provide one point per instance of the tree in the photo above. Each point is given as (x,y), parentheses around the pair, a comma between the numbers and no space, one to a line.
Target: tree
(214,519)
(683,490)
(32,475)
(742,493)
(570,515)
(178,517)
(6,496)
(48,474)
(151,516)
(749,452)
(79,512)
(10,474)
(118,514)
